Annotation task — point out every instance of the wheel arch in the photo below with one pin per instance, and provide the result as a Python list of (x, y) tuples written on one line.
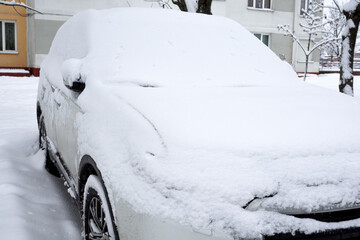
[(88, 167)]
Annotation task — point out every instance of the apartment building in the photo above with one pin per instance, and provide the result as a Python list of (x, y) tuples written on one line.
[(13, 50)]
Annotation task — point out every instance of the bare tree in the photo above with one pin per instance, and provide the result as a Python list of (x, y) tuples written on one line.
[(351, 11), (313, 26), (336, 22), (199, 6)]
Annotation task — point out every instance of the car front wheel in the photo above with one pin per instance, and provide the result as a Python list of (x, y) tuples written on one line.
[(97, 217)]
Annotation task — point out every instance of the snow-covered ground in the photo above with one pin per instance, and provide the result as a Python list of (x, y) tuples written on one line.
[(331, 81), (33, 204)]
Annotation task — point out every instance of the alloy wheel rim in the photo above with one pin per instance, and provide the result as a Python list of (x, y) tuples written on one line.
[(97, 225)]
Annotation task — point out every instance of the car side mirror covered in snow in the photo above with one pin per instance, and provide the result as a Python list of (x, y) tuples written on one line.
[(77, 86), (72, 78)]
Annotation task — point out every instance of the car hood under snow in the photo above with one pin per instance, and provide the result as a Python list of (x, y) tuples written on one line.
[(296, 147), (241, 143)]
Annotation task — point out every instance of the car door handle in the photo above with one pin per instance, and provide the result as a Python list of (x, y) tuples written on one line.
[(53, 89)]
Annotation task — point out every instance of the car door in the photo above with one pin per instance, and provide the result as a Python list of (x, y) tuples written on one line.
[(67, 132), (49, 109)]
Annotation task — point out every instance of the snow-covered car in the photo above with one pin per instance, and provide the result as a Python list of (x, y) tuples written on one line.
[(170, 125)]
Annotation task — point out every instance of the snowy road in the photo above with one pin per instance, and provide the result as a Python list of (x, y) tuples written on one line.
[(33, 204)]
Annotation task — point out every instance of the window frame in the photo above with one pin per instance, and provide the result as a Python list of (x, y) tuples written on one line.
[(263, 4), (261, 38), (2, 22), (306, 7)]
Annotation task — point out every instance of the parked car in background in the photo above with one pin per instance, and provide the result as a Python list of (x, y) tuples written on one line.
[(170, 125)]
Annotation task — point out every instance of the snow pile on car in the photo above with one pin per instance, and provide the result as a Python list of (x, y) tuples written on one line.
[(162, 48), (190, 118)]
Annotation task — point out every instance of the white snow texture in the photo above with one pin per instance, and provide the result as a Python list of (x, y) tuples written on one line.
[(33, 204)]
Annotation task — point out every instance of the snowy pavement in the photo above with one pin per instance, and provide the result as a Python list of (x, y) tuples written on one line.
[(33, 204)]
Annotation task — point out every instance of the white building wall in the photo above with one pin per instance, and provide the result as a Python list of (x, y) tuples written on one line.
[(266, 21), (257, 20), (218, 7)]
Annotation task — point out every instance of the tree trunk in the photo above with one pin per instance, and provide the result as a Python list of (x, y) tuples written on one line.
[(204, 6), (306, 66), (307, 57), (346, 84), (181, 4)]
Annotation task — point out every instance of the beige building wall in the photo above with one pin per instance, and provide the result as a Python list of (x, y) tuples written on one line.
[(17, 58)]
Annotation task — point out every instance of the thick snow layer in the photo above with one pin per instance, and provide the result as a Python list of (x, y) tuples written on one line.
[(218, 157), (148, 46), (350, 5), (13, 70), (190, 117), (33, 204), (331, 81)]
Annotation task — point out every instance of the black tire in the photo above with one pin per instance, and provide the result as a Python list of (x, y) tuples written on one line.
[(98, 219), (43, 144)]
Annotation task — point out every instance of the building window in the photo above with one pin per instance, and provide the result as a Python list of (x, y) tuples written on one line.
[(304, 6), (7, 36), (265, 38), (261, 4)]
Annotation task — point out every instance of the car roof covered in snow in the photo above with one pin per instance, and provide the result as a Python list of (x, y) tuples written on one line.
[(162, 48)]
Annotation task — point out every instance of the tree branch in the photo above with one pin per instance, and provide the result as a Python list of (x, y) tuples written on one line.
[(322, 43), (181, 4), (15, 4), (288, 32), (337, 5)]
